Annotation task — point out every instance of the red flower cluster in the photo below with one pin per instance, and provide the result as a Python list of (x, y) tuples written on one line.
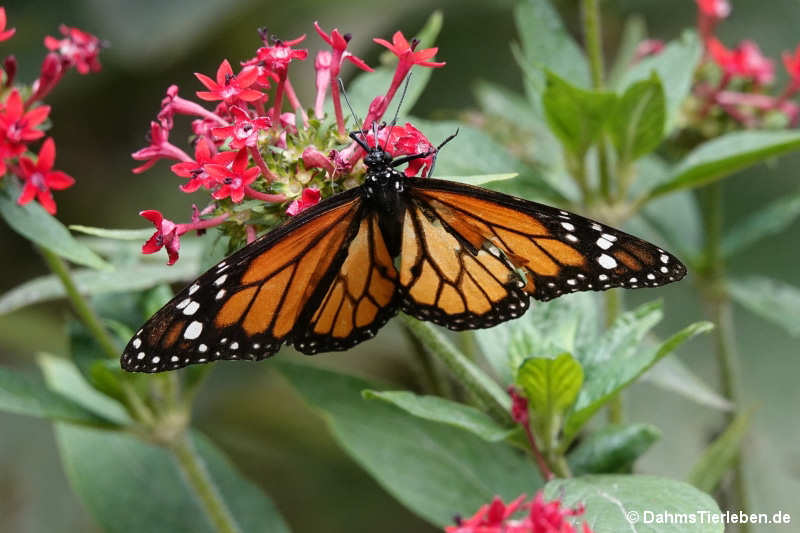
[(21, 121), (745, 73), (541, 517), (249, 147)]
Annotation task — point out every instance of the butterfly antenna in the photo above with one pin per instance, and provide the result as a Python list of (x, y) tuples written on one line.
[(357, 120), (397, 111), (436, 153)]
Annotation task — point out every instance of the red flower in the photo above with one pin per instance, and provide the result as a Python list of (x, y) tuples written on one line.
[(159, 148), (718, 9), (204, 153), (18, 126), (308, 198), (791, 61), (78, 49), (244, 131), (405, 140), (338, 42), (406, 53), (519, 407), (276, 58), (543, 517), (4, 33), (49, 75), (228, 87), (313, 158), (233, 180), (744, 61), (39, 177), (166, 236)]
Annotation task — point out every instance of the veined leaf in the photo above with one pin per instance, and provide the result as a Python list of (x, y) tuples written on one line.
[(771, 299)]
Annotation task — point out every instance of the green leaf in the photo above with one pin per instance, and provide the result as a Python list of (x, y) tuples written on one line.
[(614, 501), (637, 124), (769, 220), (674, 375), (368, 85), (91, 282), (24, 395), (444, 411), (116, 234), (64, 377), (130, 486), (547, 46), (612, 449), (549, 328), (773, 300), (40, 227), (675, 66), (621, 340), (480, 179), (633, 33), (720, 455), (576, 116), (725, 155), (433, 469), (551, 385), (607, 377)]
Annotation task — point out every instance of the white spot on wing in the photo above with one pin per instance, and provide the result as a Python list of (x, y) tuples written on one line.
[(191, 308), (193, 330), (606, 261), (194, 288), (664, 258), (137, 342), (605, 244), (220, 280), (567, 226), (184, 303)]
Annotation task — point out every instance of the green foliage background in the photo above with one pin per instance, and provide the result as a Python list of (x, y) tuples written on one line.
[(254, 416)]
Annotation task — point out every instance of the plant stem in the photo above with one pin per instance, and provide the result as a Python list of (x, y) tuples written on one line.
[(591, 33), (199, 480), (86, 314), (720, 312), (488, 393), (613, 301)]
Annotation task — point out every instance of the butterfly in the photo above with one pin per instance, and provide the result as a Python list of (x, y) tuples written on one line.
[(329, 278)]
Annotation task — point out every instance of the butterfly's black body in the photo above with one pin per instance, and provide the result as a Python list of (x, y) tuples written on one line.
[(457, 255)]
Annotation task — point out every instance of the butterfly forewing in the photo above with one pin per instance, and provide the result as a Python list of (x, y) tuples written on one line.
[(246, 306), (558, 252)]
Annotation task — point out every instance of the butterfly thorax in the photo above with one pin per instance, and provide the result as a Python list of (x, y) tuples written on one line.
[(383, 189)]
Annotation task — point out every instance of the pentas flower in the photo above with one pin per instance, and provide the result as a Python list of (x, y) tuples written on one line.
[(328, 65), (19, 126), (5, 34), (159, 148), (49, 75), (233, 180), (744, 61), (309, 197), (277, 57), (229, 88), (244, 132), (40, 178), (166, 236), (78, 48), (313, 158), (791, 62), (405, 140), (204, 152), (173, 104), (718, 9), (407, 57), (542, 517)]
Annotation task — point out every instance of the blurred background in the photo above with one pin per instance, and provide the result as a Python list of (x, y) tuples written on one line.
[(251, 413)]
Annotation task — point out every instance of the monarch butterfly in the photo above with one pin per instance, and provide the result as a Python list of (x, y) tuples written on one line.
[(460, 256)]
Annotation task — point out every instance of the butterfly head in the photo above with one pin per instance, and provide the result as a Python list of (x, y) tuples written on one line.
[(377, 158)]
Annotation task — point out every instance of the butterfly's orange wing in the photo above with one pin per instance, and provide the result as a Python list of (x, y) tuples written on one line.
[(472, 257), (246, 306)]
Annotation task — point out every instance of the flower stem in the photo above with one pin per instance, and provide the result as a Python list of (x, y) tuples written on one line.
[(485, 391), (719, 310), (591, 32), (199, 480), (79, 304)]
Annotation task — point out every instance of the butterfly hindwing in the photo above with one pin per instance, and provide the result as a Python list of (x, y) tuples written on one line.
[(558, 252), (450, 282), (361, 298), (246, 306)]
